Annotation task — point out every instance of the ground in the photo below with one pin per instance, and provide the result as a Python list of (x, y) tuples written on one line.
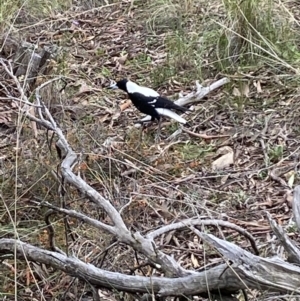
[(168, 46)]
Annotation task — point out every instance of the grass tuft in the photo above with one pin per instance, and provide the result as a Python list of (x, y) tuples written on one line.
[(253, 34), (10, 11), (256, 31), (169, 14)]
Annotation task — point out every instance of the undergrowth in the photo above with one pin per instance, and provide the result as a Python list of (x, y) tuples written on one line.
[(250, 34)]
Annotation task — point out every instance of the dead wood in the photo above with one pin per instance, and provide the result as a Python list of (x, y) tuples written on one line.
[(293, 253), (273, 274), (296, 206)]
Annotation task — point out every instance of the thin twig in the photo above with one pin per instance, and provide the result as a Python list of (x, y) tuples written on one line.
[(204, 136)]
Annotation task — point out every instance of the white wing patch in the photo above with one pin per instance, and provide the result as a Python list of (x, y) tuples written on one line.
[(133, 87), (171, 114), (153, 102), (165, 112)]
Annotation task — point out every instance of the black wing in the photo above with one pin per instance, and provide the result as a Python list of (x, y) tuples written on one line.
[(144, 104), (162, 102)]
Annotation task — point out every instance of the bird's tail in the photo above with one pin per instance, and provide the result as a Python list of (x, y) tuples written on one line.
[(180, 108), (171, 105), (171, 114)]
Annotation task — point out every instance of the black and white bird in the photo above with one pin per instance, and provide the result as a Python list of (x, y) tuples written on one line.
[(149, 102)]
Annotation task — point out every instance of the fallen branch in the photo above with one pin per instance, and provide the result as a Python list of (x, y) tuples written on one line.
[(290, 248), (193, 284), (201, 92), (247, 271), (296, 206), (271, 274)]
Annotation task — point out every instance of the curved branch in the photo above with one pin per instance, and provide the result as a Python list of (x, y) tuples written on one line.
[(201, 92), (247, 271), (198, 222), (273, 273), (193, 284)]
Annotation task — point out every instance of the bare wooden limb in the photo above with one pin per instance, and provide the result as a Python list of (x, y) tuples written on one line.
[(292, 251), (73, 213), (247, 271), (200, 222), (201, 92), (265, 273), (193, 284), (296, 206)]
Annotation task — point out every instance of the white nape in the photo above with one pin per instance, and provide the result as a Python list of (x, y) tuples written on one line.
[(171, 114), (134, 88)]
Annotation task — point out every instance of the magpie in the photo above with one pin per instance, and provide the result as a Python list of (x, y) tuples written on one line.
[(149, 102)]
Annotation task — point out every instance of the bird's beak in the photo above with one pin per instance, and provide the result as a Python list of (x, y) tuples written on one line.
[(113, 86)]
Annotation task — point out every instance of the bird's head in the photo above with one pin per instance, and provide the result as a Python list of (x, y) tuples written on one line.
[(121, 84)]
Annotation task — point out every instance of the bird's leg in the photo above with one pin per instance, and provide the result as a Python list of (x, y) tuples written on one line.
[(143, 126), (157, 137), (139, 142)]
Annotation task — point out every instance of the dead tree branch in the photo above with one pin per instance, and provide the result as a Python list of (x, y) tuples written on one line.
[(290, 248), (199, 222), (201, 92), (264, 273)]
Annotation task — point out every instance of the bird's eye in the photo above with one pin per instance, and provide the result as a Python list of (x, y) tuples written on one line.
[(112, 82)]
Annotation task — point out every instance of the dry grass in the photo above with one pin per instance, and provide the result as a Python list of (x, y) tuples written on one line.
[(167, 45)]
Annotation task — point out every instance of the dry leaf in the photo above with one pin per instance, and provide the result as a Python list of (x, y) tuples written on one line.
[(291, 180), (223, 162), (289, 199), (122, 59), (89, 38), (245, 90), (224, 179), (194, 261), (125, 105), (258, 86), (224, 150), (236, 92)]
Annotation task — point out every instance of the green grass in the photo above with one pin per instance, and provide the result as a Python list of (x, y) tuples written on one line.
[(192, 151), (184, 59), (256, 31), (275, 153), (168, 15), (253, 34), (9, 10)]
